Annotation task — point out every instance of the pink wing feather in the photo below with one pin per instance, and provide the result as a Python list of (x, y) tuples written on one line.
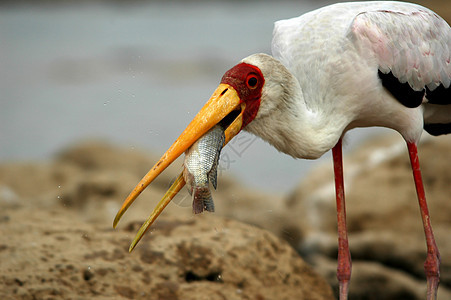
[(415, 46)]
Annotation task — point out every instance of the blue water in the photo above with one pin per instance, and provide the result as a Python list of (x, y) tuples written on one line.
[(133, 75)]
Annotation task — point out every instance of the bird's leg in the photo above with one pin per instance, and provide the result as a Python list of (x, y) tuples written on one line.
[(432, 264), (344, 256)]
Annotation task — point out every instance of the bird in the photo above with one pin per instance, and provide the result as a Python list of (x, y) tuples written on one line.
[(336, 68)]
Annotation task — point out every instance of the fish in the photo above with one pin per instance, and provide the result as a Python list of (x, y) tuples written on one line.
[(201, 166)]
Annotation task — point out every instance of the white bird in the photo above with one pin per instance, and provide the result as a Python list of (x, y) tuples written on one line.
[(339, 67)]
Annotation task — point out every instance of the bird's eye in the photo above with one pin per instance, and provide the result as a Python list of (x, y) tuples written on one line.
[(252, 81)]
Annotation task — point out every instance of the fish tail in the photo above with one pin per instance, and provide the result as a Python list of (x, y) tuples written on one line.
[(198, 205), (202, 200), (209, 205)]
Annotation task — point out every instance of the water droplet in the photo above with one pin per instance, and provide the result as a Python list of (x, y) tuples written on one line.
[(133, 96)]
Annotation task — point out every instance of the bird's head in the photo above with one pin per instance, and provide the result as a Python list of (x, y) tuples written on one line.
[(256, 83), (234, 104)]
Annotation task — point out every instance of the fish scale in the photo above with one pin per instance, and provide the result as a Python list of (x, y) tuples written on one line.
[(201, 162)]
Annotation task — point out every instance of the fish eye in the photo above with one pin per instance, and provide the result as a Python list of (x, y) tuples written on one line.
[(251, 81)]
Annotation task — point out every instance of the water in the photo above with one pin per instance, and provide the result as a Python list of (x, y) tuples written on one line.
[(134, 75)]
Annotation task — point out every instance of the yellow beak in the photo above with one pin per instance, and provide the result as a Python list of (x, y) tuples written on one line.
[(223, 102)]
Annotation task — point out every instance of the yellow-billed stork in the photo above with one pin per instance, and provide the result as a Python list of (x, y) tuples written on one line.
[(339, 67)]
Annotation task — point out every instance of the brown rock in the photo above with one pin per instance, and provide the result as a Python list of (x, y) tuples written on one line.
[(57, 240), (54, 253)]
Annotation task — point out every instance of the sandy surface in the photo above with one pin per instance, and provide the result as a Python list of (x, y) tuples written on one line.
[(57, 241)]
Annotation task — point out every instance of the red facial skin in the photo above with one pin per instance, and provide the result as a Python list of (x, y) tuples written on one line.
[(248, 82)]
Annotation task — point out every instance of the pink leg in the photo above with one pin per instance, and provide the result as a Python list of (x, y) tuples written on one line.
[(432, 264), (344, 256)]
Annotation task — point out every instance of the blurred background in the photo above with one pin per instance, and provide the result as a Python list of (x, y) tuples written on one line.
[(135, 73)]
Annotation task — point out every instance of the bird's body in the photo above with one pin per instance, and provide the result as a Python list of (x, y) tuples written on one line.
[(333, 69), (336, 53)]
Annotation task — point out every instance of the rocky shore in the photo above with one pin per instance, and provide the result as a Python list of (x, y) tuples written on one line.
[(57, 241)]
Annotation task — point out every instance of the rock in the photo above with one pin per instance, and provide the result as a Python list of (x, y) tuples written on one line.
[(382, 214), (57, 219), (101, 156), (53, 253)]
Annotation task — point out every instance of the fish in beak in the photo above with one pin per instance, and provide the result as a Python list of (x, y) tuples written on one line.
[(233, 105), (225, 108)]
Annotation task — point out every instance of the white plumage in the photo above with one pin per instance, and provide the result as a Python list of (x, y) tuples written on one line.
[(334, 53), (411, 41), (357, 65)]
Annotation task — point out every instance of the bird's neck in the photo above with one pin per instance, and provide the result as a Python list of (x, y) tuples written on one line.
[(292, 127)]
